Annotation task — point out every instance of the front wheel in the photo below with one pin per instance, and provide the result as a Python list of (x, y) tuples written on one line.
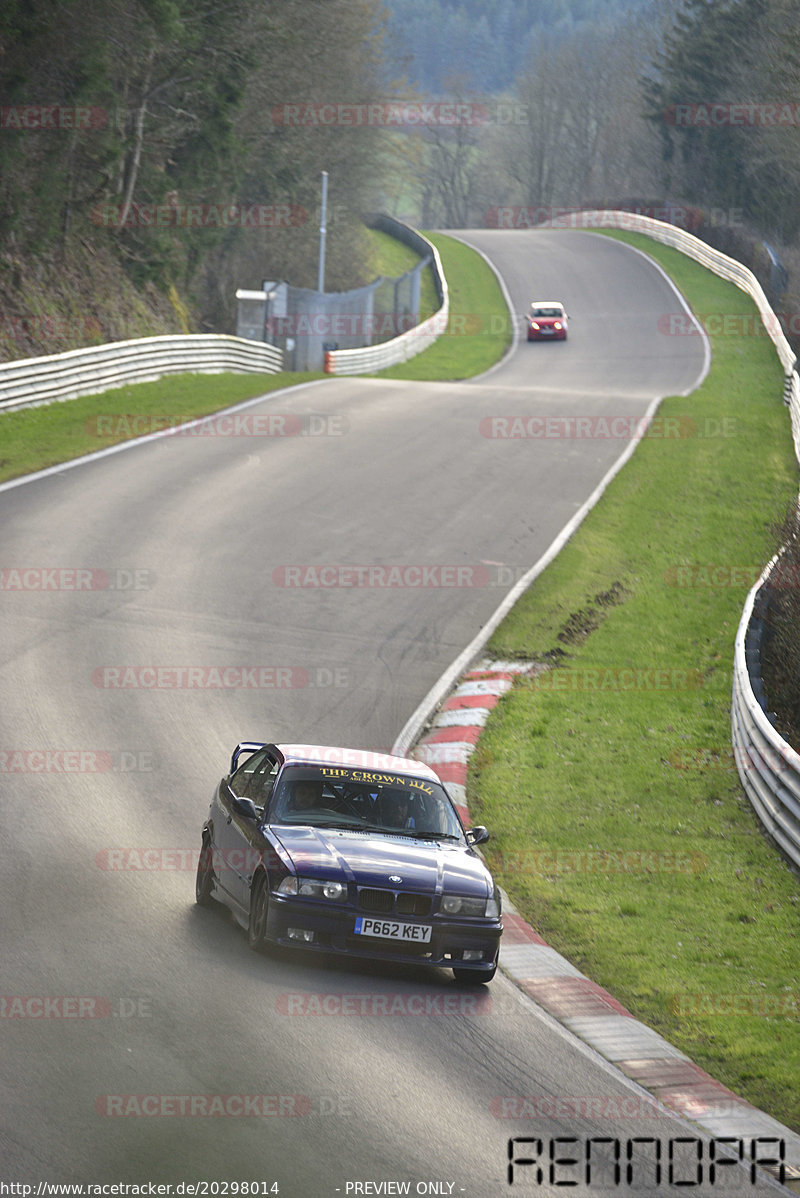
[(204, 880), (257, 924)]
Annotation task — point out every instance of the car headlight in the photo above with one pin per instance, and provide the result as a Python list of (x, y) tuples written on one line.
[(453, 904), (323, 888)]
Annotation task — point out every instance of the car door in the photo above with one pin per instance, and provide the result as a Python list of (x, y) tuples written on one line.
[(236, 833)]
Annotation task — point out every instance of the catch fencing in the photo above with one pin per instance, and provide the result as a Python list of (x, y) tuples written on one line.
[(307, 324), (769, 768), (98, 368), (31, 381), (413, 341)]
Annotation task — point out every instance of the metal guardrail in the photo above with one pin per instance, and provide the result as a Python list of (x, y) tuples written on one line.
[(769, 768), (720, 264), (99, 368), (413, 341)]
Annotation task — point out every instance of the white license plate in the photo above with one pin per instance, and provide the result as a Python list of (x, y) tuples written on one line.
[(548, 332), (390, 929)]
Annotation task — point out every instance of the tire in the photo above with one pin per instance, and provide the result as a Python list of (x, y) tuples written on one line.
[(204, 880), (259, 908)]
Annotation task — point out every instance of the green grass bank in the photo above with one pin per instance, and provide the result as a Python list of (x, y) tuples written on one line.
[(478, 329), (619, 827), (34, 438), (706, 913)]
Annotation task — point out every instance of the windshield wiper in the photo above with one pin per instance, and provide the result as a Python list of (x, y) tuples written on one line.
[(392, 831), (413, 834), (410, 833), (339, 827)]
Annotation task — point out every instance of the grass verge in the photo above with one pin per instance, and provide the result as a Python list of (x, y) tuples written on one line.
[(619, 827), (478, 330), (393, 258), (34, 438)]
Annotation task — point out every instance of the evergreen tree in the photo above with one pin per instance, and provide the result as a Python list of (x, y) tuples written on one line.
[(721, 51)]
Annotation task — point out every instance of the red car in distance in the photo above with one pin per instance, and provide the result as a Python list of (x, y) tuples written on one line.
[(547, 321)]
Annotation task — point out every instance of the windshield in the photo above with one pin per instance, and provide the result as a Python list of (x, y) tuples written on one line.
[(367, 800), (547, 312)]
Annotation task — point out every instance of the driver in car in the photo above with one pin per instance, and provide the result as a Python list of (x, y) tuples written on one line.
[(306, 795), (395, 808)]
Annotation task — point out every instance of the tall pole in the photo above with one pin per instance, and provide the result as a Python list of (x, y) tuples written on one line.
[(322, 231)]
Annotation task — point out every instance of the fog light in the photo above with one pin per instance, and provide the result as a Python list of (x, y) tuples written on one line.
[(300, 934), (472, 954)]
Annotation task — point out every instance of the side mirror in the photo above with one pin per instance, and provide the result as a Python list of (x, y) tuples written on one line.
[(477, 835), (247, 808)]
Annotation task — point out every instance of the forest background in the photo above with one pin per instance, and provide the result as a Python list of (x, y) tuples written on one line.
[(157, 154)]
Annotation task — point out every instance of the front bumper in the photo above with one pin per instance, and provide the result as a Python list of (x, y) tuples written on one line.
[(542, 335), (334, 932)]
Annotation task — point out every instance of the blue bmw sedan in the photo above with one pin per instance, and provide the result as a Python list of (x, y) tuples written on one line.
[(350, 852)]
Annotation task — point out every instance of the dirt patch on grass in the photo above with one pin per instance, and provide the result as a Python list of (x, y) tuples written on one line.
[(582, 623)]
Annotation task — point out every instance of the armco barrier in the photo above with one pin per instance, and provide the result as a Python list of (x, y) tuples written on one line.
[(412, 342), (720, 264), (769, 768), (99, 368)]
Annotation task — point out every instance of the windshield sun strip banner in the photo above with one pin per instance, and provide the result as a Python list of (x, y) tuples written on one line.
[(374, 778)]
